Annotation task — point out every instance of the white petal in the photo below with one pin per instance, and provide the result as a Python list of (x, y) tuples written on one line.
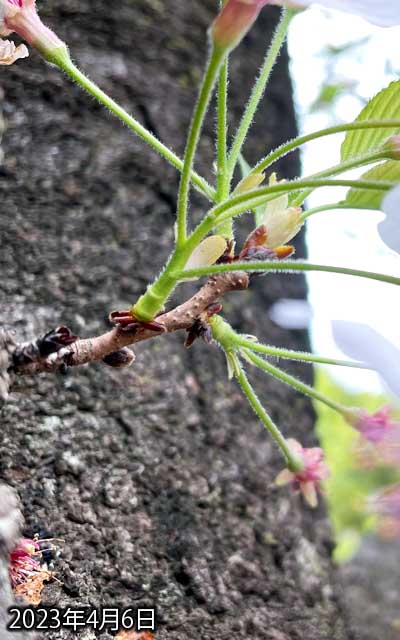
[(389, 228), (385, 13), (291, 314), (207, 252), (9, 53), (361, 342)]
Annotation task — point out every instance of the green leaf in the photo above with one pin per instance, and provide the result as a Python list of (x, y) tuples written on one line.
[(387, 172), (384, 106)]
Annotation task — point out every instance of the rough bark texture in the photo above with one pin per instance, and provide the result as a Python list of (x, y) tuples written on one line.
[(158, 478)]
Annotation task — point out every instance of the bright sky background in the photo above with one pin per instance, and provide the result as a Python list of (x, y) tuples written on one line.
[(345, 238)]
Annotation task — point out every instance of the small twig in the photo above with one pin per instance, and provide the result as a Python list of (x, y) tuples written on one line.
[(97, 348)]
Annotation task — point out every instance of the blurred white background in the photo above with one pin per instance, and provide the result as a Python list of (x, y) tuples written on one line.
[(338, 63)]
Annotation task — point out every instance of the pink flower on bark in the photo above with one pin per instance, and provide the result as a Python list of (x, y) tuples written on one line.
[(313, 470), (24, 561), (21, 17)]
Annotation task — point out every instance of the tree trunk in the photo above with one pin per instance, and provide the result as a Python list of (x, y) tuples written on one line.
[(158, 479)]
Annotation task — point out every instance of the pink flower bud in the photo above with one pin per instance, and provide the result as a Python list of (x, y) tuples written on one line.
[(234, 21)]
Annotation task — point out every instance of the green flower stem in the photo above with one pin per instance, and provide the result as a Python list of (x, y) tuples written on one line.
[(258, 90), (342, 167), (237, 205), (287, 147), (288, 266), (331, 207), (216, 58), (225, 229), (68, 66), (224, 335), (291, 462), (152, 301), (294, 382), (288, 354), (222, 132)]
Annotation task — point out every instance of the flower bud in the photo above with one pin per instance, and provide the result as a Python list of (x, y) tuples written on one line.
[(392, 147), (251, 181), (282, 226), (120, 359), (234, 21)]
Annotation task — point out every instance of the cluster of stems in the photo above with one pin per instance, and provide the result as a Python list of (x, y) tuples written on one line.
[(225, 205)]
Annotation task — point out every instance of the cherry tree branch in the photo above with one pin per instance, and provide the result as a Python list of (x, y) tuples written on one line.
[(111, 347)]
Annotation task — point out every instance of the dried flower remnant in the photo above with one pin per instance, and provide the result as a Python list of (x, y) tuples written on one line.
[(27, 576), (312, 470), (133, 635), (21, 17), (9, 53)]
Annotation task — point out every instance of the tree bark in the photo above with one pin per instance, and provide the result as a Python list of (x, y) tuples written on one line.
[(158, 478)]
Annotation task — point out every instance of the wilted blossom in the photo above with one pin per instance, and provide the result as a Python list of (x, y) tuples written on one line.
[(389, 228), (24, 561), (20, 16), (313, 471), (9, 53), (387, 507)]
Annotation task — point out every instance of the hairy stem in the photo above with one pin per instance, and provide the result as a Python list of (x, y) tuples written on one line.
[(89, 86), (288, 354), (294, 382), (331, 207), (288, 266), (287, 147), (210, 76), (258, 90)]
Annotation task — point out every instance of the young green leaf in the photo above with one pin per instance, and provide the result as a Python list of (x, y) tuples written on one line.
[(387, 172), (384, 106)]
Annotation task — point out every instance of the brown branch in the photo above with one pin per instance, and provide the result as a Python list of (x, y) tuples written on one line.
[(97, 348)]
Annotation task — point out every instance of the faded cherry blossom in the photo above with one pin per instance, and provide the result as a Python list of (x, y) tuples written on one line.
[(24, 561), (313, 471), (21, 17), (9, 53)]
